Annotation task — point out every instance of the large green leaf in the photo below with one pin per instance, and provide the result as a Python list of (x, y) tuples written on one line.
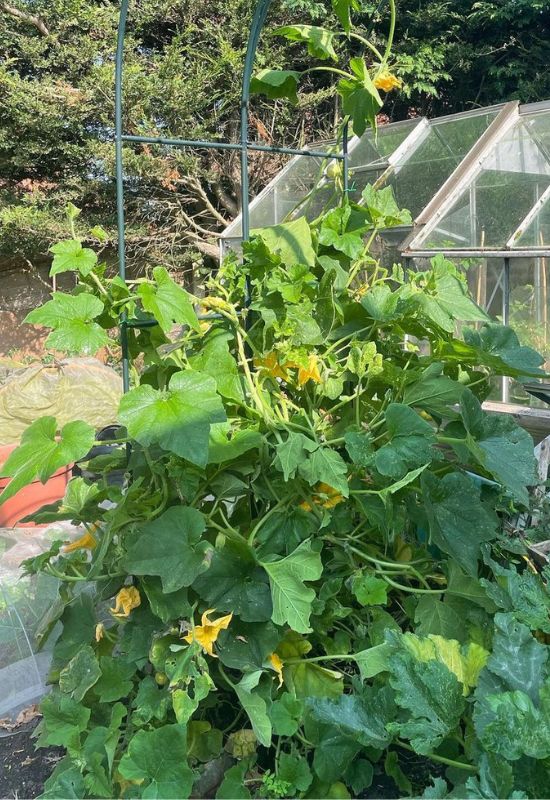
[(444, 298), (510, 725), (343, 231), (246, 646), (494, 346), (291, 598), (432, 696), (178, 419), (255, 706), (362, 717), (411, 442), (171, 548), (360, 97), (215, 360), (236, 582), (41, 452), (276, 83), (501, 447), (325, 465), (71, 318), (80, 674), (433, 392), (496, 779), (70, 256), (63, 720), (116, 679), (433, 616), (168, 302), (168, 606), (320, 41), (226, 445), (291, 241), (459, 521), (382, 209), (292, 453), (342, 10), (159, 758), (518, 660), (521, 593)]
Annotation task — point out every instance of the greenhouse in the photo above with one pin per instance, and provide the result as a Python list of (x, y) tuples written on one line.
[(477, 185)]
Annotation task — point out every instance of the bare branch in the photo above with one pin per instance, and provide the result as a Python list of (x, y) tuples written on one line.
[(36, 22)]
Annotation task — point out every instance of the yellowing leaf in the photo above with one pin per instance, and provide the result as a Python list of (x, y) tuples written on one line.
[(464, 662), (127, 599), (208, 631), (277, 664)]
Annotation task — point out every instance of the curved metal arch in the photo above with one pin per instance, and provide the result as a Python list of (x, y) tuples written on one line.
[(257, 24)]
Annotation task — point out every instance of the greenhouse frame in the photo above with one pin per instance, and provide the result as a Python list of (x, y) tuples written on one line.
[(477, 185)]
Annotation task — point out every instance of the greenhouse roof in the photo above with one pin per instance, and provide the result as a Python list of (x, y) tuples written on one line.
[(476, 183)]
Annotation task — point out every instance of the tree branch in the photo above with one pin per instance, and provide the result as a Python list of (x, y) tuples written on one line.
[(36, 22)]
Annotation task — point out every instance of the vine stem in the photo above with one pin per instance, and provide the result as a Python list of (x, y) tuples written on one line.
[(440, 759), (250, 381)]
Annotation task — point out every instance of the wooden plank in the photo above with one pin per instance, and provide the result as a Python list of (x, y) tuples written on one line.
[(534, 420)]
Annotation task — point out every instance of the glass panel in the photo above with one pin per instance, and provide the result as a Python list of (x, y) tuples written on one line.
[(529, 311), (512, 178), (287, 194), (388, 138), (537, 233), (424, 171)]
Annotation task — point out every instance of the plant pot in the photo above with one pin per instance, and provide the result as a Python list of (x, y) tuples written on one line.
[(32, 497)]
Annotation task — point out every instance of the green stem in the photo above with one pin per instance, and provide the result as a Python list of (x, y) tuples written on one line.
[(391, 33), (440, 759), (367, 44), (410, 588), (337, 71), (99, 285), (264, 519)]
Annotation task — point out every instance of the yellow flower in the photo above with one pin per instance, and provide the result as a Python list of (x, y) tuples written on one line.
[(127, 599), (86, 542), (331, 497), (386, 81), (208, 631), (277, 665), (271, 365), (309, 373), (99, 631)]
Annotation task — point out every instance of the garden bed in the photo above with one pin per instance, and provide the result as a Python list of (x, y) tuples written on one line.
[(23, 770)]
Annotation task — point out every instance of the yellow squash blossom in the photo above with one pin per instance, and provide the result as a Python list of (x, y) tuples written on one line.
[(86, 542), (386, 81), (271, 365), (208, 631), (331, 497), (99, 631), (309, 373), (277, 665), (127, 599)]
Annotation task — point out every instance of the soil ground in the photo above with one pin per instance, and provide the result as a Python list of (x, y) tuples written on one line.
[(23, 769)]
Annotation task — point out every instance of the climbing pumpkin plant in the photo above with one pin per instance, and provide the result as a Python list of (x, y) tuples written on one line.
[(294, 573)]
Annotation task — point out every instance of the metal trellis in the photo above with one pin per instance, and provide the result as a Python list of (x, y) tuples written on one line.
[(244, 146)]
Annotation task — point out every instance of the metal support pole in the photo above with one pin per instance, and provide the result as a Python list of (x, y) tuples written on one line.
[(119, 62), (506, 320), (257, 24), (345, 152)]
